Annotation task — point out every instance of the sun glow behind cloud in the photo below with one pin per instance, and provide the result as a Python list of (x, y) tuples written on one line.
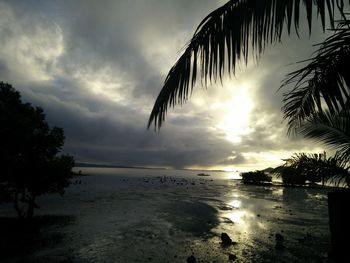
[(234, 119)]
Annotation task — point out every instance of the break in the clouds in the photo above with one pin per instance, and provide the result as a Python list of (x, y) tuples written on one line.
[(97, 67)]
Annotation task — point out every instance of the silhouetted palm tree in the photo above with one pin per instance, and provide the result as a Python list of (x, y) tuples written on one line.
[(226, 36)]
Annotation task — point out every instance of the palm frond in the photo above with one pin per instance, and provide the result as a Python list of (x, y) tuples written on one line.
[(225, 37), (325, 81), (333, 130)]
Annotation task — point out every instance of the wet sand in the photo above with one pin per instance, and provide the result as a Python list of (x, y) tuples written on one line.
[(167, 219)]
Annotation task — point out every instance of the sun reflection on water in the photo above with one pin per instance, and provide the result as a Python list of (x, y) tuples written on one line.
[(236, 216), (235, 203), (240, 216)]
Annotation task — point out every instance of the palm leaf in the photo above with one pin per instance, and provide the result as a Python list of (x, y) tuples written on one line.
[(325, 81), (225, 37), (333, 130)]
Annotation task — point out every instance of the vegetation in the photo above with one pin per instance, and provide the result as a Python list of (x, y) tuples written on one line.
[(29, 156), (331, 129), (318, 106), (255, 177), (290, 176), (314, 168), (323, 83)]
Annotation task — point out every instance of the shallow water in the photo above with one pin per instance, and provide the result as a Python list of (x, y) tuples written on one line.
[(137, 217)]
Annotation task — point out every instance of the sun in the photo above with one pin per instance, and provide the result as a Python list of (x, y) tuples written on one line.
[(234, 118)]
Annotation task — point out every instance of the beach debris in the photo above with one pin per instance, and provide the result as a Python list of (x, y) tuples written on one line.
[(232, 257), (191, 259), (279, 241), (225, 239)]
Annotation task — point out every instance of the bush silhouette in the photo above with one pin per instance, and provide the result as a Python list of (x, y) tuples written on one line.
[(291, 176), (255, 177)]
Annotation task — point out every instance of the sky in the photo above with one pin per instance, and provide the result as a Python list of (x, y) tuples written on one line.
[(96, 68)]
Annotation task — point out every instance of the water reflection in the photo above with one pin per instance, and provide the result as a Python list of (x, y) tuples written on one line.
[(235, 203), (277, 191), (240, 215)]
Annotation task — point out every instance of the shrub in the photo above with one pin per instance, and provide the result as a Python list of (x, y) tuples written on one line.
[(255, 177), (291, 176)]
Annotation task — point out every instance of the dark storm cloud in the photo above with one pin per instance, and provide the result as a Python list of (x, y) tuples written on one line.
[(106, 132), (96, 69)]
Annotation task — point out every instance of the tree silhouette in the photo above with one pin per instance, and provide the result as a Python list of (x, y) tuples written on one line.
[(239, 28), (29, 163)]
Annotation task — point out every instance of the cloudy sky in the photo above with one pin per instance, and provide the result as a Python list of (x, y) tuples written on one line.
[(96, 68)]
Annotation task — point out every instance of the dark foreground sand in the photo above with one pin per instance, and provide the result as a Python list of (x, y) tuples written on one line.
[(157, 219)]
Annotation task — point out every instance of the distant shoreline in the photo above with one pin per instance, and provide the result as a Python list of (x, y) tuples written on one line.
[(93, 165)]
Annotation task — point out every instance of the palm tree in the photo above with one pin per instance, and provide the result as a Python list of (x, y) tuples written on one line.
[(228, 34)]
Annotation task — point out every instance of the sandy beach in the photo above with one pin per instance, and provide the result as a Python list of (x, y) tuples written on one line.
[(108, 217)]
